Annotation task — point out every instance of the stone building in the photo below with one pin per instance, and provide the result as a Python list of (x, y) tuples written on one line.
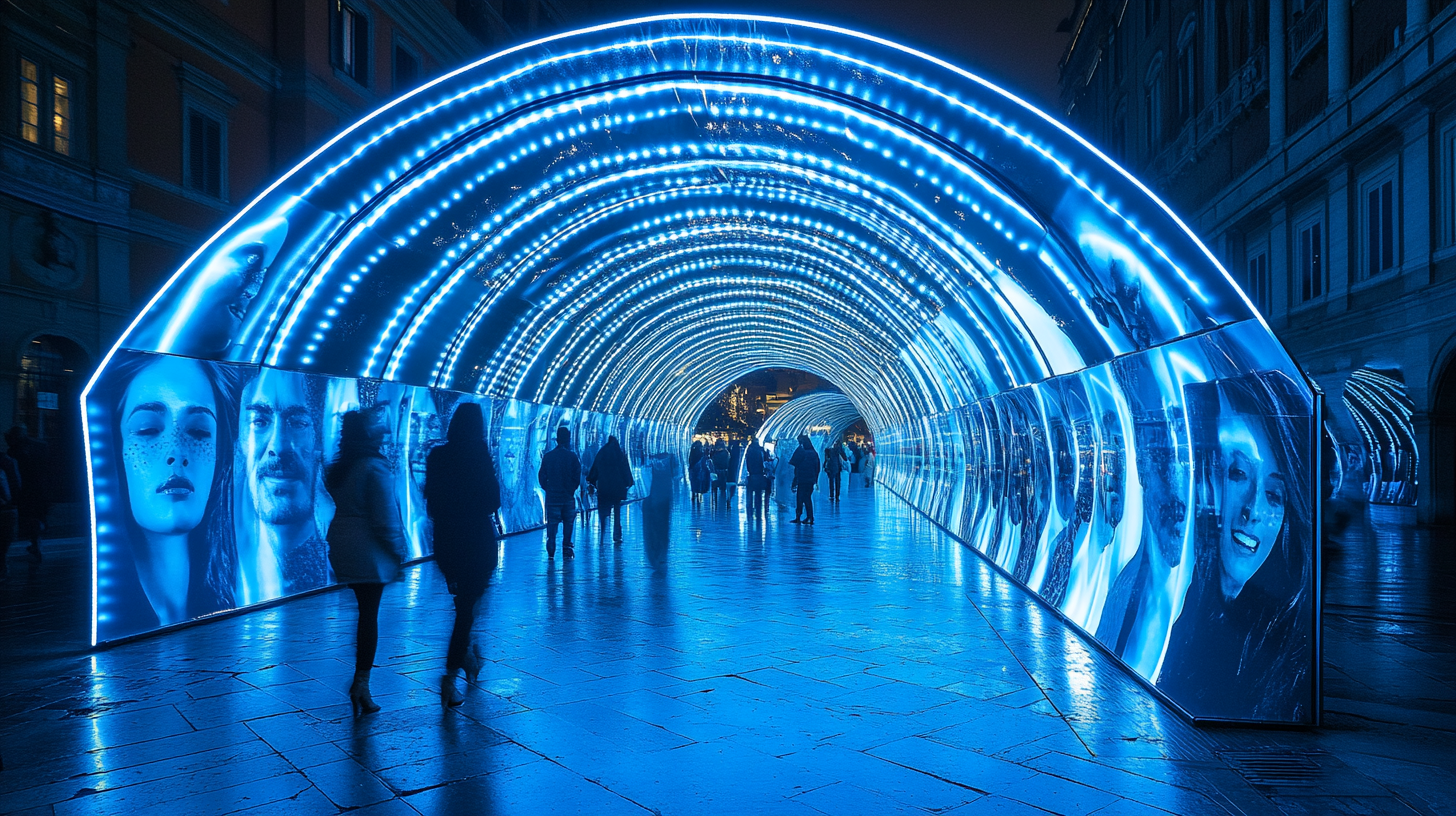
[(1312, 145), (133, 130)]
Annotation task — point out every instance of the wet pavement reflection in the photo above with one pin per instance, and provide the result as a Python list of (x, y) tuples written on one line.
[(716, 663)]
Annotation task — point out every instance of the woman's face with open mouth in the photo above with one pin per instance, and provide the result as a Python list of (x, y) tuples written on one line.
[(169, 445), (1252, 514)]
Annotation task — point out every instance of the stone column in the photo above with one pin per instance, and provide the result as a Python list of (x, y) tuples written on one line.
[(1337, 33), (1281, 275), (1278, 74), (1208, 56), (1417, 14)]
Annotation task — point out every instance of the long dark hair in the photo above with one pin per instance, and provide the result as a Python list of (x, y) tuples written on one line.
[(212, 541), (359, 439)]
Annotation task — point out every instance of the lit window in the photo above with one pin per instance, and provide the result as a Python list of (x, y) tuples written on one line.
[(205, 155), (61, 115), (1311, 261), (29, 102), (351, 42), (1380, 227)]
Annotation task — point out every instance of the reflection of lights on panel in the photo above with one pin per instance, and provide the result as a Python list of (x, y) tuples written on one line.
[(576, 224), (1383, 413)]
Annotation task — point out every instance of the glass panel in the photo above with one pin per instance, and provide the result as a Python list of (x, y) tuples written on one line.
[(29, 102), (61, 115)]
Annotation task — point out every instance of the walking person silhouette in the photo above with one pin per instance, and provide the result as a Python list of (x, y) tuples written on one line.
[(366, 538), (611, 474), (462, 494), (560, 477), (805, 463)]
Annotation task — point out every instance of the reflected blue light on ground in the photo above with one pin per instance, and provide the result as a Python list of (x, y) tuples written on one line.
[(1047, 357)]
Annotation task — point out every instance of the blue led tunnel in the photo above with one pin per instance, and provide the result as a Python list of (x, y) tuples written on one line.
[(604, 229)]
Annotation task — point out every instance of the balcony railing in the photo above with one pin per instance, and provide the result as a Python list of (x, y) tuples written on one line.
[(1250, 80), (1305, 33), (1383, 47)]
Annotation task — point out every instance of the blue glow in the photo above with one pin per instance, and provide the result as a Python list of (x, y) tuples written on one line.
[(574, 232)]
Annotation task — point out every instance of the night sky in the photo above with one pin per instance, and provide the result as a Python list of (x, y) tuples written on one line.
[(1010, 42)]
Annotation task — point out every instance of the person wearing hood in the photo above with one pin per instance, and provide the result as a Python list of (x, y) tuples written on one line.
[(366, 539), (722, 461), (462, 494), (560, 477), (755, 476), (834, 460), (611, 475), (805, 463)]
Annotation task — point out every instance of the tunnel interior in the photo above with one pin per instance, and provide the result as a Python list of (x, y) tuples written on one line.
[(603, 229)]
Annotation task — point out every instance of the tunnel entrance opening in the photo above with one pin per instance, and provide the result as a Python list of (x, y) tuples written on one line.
[(604, 229)]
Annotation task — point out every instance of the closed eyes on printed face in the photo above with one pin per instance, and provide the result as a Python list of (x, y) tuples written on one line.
[(169, 448)]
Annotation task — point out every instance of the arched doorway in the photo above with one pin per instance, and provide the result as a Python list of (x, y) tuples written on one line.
[(53, 370)]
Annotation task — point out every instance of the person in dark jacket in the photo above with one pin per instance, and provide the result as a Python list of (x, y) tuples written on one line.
[(9, 490), (700, 472), (611, 475), (805, 463), (834, 460), (722, 461), (32, 499), (462, 495), (366, 538), (755, 477), (560, 477)]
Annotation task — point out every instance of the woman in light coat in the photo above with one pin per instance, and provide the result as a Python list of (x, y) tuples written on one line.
[(366, 538)]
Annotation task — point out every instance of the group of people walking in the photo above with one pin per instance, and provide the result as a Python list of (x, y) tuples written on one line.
[(462, 495)]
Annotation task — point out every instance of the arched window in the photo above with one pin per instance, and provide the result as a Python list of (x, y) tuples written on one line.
[(1187, 66), (1153, 93)]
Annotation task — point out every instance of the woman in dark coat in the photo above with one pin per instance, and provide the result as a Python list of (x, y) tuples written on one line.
[(461, 495), (700, 472), (611, 474), (366, 538)]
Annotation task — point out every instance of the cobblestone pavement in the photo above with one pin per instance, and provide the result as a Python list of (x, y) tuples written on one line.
[(866, 665)]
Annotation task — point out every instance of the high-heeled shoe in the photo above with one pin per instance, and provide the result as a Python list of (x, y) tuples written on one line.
[(450, 696), (472, 663), (359, 696)]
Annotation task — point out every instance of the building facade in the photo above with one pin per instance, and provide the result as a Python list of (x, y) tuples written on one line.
[(1312, 145), (133, 130)]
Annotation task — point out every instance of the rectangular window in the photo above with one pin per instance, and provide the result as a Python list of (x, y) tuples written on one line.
[(61, 115), (204, 153), (406, 69), (29, 101), (1380, 228), (1258, 282), (1311, 261), (351, 42)]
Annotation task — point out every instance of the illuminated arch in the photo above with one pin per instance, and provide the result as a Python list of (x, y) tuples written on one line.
[(625, 219)]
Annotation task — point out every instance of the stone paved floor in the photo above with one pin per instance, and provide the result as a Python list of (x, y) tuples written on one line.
[(868, 665)]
